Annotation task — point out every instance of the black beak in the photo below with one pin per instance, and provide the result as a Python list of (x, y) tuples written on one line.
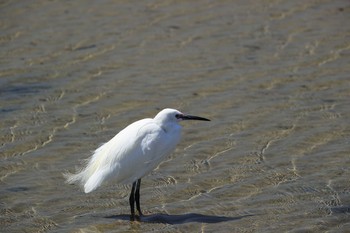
[(189, 117)]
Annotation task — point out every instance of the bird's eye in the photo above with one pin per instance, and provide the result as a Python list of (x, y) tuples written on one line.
[(178, 116)]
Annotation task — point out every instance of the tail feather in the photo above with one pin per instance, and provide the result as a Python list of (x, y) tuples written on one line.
[(94, 172), (95, 181), (82, 175), (73, 178), (87, 171)]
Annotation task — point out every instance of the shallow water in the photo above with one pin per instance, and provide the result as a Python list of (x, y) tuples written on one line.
[(272, 75)]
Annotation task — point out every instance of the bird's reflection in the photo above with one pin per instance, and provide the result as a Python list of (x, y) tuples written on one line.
[(177, 219)]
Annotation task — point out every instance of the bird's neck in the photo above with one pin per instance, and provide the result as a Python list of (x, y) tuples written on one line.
[(170, 127)]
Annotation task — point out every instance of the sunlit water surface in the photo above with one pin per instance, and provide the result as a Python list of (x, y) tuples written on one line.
[(273, 76)]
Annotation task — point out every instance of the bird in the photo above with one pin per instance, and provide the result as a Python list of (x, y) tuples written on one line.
[(132, 154)]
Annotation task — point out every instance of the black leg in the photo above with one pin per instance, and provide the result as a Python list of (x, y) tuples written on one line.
[(137, 196), (132, 200)]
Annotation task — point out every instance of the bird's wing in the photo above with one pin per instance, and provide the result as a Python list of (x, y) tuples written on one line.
[(144, 153), (128, 156)]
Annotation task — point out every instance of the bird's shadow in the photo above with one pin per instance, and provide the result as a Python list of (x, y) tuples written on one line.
[(177, 219)]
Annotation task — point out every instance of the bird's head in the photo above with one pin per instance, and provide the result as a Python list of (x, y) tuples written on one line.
[(169, 115)]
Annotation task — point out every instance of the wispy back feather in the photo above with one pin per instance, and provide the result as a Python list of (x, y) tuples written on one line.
[(83, 174)]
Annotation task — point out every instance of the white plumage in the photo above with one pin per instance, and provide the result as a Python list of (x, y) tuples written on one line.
[(133, 152)]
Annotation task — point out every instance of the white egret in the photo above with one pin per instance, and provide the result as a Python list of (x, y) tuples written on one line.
[(133, 153)]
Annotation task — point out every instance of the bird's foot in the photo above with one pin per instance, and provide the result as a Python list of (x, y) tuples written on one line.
[(134, 217)]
